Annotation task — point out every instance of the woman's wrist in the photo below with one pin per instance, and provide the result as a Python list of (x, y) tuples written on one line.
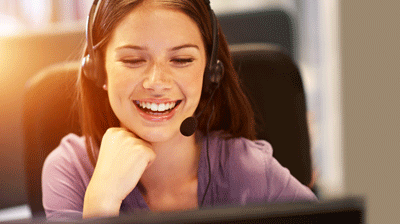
[(99, 203)]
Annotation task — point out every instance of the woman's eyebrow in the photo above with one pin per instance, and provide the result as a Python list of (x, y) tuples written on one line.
[(133, 47), (142, 48), (184, 46)]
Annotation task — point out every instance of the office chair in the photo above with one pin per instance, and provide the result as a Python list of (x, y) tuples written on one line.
[(48, 115), (268, 74), (272, 81), (272, 26)]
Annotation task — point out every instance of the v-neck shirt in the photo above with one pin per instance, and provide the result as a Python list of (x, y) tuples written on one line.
[(243, 172)]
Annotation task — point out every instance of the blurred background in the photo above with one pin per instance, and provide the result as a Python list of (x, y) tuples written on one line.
[(348, 54)]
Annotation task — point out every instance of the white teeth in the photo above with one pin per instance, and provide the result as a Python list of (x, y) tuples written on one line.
[(161, 107), (156, 107)]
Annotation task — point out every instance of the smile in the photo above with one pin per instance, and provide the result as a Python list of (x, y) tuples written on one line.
[(156, 108)]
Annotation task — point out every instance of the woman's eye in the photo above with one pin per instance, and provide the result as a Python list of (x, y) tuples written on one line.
[(133, 62), (182, 61)]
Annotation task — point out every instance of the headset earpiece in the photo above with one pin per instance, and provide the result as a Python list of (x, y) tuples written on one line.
[(88, 62), (87, 66), (217, 73), (90, 70), (212, 77)]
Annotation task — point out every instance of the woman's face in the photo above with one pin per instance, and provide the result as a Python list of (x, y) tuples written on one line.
[(155, 62)]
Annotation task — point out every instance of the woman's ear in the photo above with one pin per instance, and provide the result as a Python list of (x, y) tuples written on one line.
[(105, 87)]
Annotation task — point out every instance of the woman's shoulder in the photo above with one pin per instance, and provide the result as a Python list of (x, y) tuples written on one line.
[(69, 160), (238, 160), (71, 141), (249, 168), (243, 152), (72, 149)]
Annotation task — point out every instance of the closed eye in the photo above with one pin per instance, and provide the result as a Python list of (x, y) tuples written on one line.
[(182, 61), (133, 62)]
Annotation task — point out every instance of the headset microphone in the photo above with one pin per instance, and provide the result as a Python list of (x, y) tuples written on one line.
[(188, 126)]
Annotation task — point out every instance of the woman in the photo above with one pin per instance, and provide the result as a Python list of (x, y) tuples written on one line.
[(147, 71)]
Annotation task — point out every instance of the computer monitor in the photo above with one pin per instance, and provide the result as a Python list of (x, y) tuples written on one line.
[(344, 210)]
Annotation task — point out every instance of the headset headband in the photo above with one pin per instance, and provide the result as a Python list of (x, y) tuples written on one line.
[(89, 24), (214, 66)]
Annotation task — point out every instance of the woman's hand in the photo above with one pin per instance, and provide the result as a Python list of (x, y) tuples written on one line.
[(122, 160)]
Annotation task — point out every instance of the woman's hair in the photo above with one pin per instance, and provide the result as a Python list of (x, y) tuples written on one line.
[(232, 115)]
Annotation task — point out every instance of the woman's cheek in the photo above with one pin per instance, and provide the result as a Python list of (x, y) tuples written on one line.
[(195, 85)]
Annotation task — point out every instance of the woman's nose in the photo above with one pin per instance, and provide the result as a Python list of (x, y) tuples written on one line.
[(157, 79)]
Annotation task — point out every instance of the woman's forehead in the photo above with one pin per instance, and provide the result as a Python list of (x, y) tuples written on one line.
[(154, 22)]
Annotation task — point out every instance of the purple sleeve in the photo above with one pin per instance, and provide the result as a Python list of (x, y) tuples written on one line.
[(66, 174)]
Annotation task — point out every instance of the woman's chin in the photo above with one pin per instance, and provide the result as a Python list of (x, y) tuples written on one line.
[(158, 136)]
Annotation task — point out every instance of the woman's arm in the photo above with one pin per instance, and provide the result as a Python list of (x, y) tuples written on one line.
[(73, 189), (122, 160)]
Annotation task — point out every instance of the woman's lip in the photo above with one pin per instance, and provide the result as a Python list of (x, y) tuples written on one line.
[(157, 101), (157, 118)]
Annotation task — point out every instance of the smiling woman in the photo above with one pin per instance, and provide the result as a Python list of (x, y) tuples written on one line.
[(155, 68), (149, 65)]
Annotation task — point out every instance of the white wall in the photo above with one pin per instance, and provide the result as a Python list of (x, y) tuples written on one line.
[(370, 45), (329, 106), (224, 6)]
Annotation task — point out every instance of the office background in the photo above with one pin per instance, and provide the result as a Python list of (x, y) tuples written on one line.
[(348, 52)]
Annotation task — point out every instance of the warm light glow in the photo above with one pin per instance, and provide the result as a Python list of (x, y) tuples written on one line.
[(9, 25), (5, 77)]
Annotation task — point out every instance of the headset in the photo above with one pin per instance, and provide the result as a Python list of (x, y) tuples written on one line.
[(213, 73)]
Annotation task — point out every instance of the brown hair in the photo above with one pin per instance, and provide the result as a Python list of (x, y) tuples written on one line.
[(232, 114)]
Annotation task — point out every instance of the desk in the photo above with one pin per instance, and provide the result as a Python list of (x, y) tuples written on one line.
[(15, 213)]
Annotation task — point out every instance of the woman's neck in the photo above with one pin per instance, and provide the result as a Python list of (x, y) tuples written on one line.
[(175, 166)]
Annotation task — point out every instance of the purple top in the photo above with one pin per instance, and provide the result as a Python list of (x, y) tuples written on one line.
[(243, 173)]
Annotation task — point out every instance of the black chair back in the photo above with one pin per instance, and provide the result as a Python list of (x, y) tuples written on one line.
[(48, 115), (273, 83), (273, 26)]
